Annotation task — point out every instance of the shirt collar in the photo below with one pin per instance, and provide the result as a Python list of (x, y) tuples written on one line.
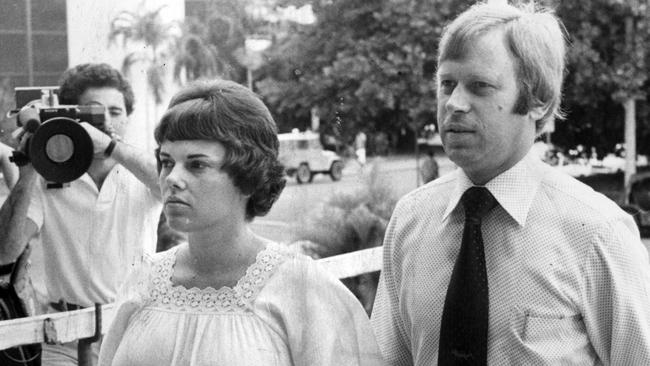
[(514, 189)]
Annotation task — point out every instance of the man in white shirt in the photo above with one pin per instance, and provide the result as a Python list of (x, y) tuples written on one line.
[(94, 230), (360, 147), (558, 273)]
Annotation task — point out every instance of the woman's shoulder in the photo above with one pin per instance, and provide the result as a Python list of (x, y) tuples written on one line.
[(298, 270), (280, 260)]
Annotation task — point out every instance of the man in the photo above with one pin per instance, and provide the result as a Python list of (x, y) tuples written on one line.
[(360, 147), (429, 166), (96, 229), (547, 272)]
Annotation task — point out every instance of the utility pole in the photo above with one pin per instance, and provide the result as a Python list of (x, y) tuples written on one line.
[(629, 103)]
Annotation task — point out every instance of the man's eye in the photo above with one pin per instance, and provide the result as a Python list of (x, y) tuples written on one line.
[(480, 87), (447, 86)]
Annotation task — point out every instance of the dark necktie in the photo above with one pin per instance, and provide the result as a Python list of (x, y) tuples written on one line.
[(464, 325)]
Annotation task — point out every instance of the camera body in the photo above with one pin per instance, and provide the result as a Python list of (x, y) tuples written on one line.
[(45, 99), (93, 114), (60, 149)]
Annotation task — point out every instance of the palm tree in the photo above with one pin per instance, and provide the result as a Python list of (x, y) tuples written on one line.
[(146, 27), (197, 55), (208, 46)]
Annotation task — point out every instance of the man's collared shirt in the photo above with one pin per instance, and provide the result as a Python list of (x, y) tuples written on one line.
[(93, 238), (569, 278)]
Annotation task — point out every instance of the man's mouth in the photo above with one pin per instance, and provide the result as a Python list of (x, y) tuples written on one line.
[(457, 129)]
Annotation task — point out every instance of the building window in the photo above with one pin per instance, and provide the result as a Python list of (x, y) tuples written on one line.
[(35, 42)]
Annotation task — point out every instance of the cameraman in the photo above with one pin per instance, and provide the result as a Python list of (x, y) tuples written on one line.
[(95, 229)]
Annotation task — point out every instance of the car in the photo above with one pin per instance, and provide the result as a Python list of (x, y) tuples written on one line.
[(613, 163), (639, 201), (303, 156)]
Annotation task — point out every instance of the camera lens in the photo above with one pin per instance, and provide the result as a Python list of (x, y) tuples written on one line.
[(59, 148)]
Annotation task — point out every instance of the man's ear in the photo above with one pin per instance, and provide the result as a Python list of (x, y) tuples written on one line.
[(537, 112)]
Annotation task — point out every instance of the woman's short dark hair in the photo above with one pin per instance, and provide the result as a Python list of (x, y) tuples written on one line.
[(76, 80), (231, 114)]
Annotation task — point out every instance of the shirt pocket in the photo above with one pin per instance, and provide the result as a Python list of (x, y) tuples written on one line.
[(550, 339)]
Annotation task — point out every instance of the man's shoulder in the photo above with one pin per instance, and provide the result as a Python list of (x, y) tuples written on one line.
[(574, 198), (431, 195)]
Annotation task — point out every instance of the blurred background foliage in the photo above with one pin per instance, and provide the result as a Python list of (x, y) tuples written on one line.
[(348, 222), (370, 64)]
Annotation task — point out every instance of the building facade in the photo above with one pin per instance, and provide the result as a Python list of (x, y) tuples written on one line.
[(42, 38)]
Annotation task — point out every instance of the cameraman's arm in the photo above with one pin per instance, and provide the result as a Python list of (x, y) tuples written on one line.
[(141, 164), (137, 161), (15, 228)]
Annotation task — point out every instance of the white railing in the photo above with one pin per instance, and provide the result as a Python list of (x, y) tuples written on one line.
[(72, 325)]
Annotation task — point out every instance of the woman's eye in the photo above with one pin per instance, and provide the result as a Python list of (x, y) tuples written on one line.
[(197, 164), (166, 163)]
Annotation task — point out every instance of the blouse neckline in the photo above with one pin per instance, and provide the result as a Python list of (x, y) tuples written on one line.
[(164, 293)]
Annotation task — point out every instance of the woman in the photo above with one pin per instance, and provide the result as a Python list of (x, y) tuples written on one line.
[(228, 296)]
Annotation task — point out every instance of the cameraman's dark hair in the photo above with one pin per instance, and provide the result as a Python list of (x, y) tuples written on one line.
[(76, 80), (234, 116)]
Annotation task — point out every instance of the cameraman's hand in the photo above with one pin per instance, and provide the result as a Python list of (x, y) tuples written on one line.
[(27, 122), (100, 139), (26, 168)]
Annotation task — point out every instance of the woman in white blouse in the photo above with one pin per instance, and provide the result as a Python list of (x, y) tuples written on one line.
[(229, 296)]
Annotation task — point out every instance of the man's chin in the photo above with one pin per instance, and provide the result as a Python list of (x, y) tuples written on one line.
[(463, 157)]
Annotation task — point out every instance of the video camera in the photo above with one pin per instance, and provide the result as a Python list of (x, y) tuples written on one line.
[(59, 149)]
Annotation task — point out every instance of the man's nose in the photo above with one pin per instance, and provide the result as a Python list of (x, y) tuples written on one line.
[(108, 123), (458, 101)]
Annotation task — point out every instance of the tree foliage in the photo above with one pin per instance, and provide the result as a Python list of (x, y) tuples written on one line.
[(604, 68), (370, 64), (211, 43), (146, 27), (364, 64)]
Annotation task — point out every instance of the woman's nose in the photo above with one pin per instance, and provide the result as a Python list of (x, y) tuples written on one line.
[(174, 180)]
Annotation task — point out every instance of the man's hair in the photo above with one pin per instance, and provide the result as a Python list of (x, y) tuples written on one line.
[(536, 39), (76, 80), (231, 114)]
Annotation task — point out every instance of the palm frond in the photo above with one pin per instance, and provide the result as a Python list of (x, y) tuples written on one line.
[(149, 28), (131, 59)]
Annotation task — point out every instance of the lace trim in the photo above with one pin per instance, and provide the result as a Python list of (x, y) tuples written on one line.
[(226, 299)]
